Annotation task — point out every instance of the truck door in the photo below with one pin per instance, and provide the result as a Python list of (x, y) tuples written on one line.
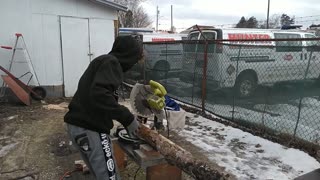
[(311, 56), (289, 58), (212, 66)]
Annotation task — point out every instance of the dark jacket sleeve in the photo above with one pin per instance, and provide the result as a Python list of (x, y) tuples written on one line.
[(107, 79)]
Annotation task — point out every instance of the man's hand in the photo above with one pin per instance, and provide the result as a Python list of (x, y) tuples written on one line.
[(133, 128)]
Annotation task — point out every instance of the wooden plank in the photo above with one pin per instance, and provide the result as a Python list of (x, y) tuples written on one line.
[(22, 94)]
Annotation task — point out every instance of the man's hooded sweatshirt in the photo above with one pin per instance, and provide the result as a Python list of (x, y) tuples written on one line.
[(94, 104)]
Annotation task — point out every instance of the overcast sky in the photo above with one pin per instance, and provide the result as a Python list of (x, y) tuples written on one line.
[(225, 12)]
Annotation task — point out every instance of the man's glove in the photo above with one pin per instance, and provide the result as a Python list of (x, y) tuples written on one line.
[(133, 128)]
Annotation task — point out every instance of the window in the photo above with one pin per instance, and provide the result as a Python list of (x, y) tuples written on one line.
[(194, 36), (191, 47), (312, 45), (208, 35), (211, 45), (199, 47), (288, 46)]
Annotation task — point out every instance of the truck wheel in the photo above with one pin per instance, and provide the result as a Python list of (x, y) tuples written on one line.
[(245, 85), (161, 70)]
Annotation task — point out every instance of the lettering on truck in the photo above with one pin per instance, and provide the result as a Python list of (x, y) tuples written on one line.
[(162, 39), (235, 36)]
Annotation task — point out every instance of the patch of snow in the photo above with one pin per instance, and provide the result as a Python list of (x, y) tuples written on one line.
[(245, 155), (12, 117), (309, 102), (242, 154), (279, 117), (6, 149)]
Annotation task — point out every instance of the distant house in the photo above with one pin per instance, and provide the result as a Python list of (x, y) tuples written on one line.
[(62, 37)]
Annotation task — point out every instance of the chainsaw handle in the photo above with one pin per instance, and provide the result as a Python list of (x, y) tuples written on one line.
[(157, 88), (6, 47)]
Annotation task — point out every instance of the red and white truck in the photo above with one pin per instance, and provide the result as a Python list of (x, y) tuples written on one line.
[(246, 64), (163, 58)]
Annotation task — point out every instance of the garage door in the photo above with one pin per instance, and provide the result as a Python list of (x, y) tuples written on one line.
[(75, 50), (82, 41)]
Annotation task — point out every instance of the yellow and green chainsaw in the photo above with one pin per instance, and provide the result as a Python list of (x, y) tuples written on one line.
[(148, 100)]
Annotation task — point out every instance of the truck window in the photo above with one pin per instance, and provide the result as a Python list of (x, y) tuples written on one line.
[(191, 47), (193, 36), (288, 46), (211, 45), (312, 45), (208, 35)]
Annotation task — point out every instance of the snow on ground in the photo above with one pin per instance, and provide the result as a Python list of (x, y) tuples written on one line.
[(245, 155), (280, 117)]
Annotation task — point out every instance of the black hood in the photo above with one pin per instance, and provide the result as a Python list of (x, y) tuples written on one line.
[(128, 50)]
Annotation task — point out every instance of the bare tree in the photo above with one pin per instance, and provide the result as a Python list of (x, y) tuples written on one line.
[(140, 18), (135, 16), (274, 22)]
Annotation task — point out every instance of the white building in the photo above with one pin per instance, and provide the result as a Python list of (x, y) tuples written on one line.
[(62, 37)]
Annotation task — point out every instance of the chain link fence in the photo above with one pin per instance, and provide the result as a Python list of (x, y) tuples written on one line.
[(273, 84)]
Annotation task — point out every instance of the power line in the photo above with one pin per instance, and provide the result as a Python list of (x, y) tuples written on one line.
[(309, 20), (307, 16), (262, 21)]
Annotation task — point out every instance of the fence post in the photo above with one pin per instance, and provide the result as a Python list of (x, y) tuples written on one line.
[(301, 97), (144, 65), (234, 90), (167, 69), (204, 76)]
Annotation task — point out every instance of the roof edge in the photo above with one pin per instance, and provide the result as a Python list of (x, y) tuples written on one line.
[(111, 4)]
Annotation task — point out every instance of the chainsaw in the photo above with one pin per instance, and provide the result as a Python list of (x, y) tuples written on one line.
[(147, 101)]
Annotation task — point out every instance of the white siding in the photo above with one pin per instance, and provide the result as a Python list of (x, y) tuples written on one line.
[(38, 21), (46, 52), (15, 17), (101, 44)]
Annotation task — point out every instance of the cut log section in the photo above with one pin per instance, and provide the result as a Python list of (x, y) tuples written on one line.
[(177, 156)]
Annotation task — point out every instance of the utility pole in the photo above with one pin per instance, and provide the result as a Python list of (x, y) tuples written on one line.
[(268, 14), (171, 18), (157, 21)]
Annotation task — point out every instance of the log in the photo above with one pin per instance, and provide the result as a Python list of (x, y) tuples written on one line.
[(177, 156)]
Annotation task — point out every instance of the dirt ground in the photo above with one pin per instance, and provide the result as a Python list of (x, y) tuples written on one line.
[(34, 144)]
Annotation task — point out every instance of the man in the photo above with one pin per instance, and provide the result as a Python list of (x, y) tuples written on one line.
[(95, 105)]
